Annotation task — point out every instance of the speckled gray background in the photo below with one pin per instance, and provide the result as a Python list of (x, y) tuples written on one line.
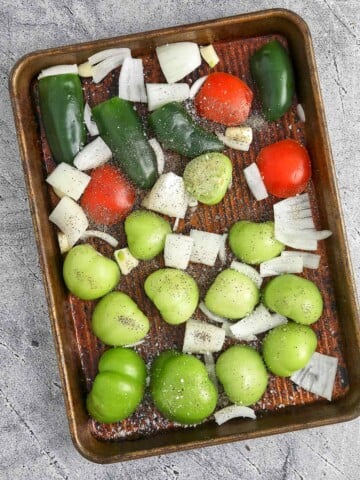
[(35, 442)]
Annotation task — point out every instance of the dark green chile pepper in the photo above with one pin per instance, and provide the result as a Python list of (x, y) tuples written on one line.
[(178, 132), (62, 113), (274, 77), (121, 129)]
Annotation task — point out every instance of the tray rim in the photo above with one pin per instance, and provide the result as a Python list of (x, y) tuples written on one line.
[(23, 141)]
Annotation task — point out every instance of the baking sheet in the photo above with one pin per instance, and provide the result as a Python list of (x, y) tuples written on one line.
[(78, 362)]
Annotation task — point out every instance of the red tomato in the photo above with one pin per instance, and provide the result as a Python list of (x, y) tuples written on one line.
[(109, 196), (285, 168), (224, 98)]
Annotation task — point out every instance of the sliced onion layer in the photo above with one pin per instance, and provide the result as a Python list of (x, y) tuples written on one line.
[(210, 367), (176, 224), (102, 235), (167, 196), (301, 113), (69, 181), (222, 249), (132, 345), (106, 66), (70, 218), (159, 154), (249, 271), (177, 250), (89, 122), (233, 411), (293, 203), (255, 182), (228, 332), (159, 94), (131, 80), (210, 315), (311, 234), (279, 265), (195, 87), (201, 337), (93, 155), (126, 261), (296, 241), (240, 134), (318, 376), (63, 242), (110, 52), (210, 56), (294, 225), (85, 70), (310, 260), (259, 321), (206, 247), (178, 59), (58, 70), (234, 144)]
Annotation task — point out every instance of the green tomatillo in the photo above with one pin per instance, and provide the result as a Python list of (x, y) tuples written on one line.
[(294, 297), (242, 373), (253, 242), (117, 320), (181, 388), (174, 293), (88, 274), (288, 348), (232, 295), (208, 177), (146, 233), (119, 386)]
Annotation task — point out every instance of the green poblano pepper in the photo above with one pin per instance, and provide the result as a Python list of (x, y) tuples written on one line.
[(62, 113), (178, 132), (273, 74), (121, 129)]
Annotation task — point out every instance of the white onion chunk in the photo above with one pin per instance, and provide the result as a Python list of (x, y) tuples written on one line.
[(247, 270), (259, 321), (210, 315), (178, 59), (177, 250), (102, 235), (233, 411), (167, 196), (89, 122), (70, 218), (93, 155), (159, 94), (108, 53), (255, 182), (206, 247), (131, 81), (201, 337), (318, 376), (279, 265), (58, 70), (310, 260), (69, 181)]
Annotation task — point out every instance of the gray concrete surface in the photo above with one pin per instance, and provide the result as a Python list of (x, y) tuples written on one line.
[(35, 442)]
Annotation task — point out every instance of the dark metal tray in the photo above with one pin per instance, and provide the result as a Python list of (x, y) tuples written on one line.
[(284, 407)]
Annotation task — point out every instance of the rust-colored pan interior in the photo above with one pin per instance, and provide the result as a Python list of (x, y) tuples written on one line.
[(284, 407)]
